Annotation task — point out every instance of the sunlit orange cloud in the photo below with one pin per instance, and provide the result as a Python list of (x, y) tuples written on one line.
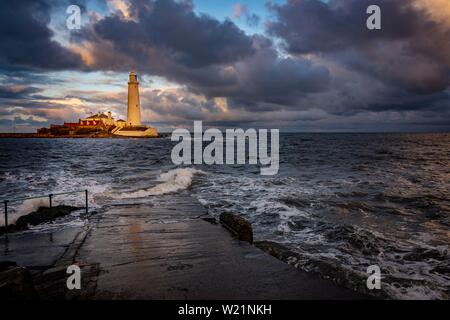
[(101, 55), (119, 96), (175, 105), (85, 50), (45, 114), (170, 105), (66, 109), (72, 102), (438, 9), (222, 103), (121, 7)]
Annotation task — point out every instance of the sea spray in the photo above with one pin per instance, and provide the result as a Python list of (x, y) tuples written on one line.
[(172, 181), (25, 207)]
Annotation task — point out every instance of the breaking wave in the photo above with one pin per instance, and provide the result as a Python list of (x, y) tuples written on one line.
[(171, 181), (26, 207), (339, 234)]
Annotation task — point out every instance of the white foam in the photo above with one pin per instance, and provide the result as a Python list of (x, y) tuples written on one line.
[(172, 181), (26, 207), (32, 205)]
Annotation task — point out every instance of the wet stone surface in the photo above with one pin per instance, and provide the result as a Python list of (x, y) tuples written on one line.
[(161, 251), (168, 251)]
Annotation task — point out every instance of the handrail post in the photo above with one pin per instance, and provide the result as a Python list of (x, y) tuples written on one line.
[(50, 200), (6, 215), (87, 207)]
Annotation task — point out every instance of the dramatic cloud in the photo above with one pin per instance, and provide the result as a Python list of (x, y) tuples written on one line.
[(26, 40), (411, 51), (122, 7), (16, 91), (174, 30), (280, 81)]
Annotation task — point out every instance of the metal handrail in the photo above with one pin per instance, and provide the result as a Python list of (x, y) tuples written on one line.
[(50, 198)]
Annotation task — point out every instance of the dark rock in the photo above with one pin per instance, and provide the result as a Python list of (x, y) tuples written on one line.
[(240, 227), (209, 219), (16, 283), (275, 249), (42, 215), (6, 264), (286, 254), (332, 271)]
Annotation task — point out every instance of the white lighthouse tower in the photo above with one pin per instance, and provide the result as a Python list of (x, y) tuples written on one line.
[(134, 106), (134, 127)]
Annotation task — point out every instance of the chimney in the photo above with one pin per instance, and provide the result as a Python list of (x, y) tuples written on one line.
[(109, 115)]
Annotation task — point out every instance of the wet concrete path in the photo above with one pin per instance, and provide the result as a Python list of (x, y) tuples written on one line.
[(163, 250), (166, 251)]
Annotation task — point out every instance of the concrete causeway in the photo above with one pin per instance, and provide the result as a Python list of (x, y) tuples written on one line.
[(165, 250)]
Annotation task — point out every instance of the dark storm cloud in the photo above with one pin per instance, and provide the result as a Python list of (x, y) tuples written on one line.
[(312, 25), (262, 81), (17, 92), (411, 51), (438, 102), (26, 38), (191, 40), (266, 77)]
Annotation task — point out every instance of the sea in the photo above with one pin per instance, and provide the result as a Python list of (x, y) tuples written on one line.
[(340, 202)]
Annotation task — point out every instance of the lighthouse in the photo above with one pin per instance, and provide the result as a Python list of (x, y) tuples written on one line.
[(134, 127), (134, 106)]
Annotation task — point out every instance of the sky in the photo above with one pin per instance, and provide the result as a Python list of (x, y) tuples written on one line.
[(296, 65)]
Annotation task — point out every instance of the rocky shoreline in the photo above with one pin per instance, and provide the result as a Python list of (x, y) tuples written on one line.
[(42, 215), (85, 136)]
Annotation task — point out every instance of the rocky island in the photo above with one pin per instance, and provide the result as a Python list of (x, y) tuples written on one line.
[(100, 125)]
